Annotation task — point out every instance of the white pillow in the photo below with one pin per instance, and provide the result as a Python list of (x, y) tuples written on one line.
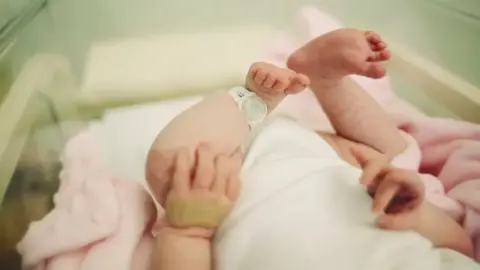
[(138, 69)]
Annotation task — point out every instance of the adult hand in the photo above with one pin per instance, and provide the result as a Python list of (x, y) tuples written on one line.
[(203, 190)]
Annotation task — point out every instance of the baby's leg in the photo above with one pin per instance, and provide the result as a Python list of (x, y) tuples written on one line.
[(217, 121), (327, 61), (352, 152)]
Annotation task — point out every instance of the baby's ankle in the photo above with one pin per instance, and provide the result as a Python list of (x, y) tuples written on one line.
[(325, 84), (272, 100)]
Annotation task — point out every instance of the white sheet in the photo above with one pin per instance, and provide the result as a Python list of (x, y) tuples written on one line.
[(272, 226), (301, 207)]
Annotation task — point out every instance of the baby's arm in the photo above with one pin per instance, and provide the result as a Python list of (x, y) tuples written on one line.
[(356, 116), (442, 230), (203, 192), (175, 250), (399, 199)]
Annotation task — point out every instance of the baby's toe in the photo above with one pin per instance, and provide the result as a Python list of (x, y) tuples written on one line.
[(373, 70), (260, 76), (376, 47), (281, 84), (375, 41), (379, 56), (298, 83), (302, 79), (270, 80), (372, 37)]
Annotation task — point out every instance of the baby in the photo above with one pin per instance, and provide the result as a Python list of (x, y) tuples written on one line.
[(195, 159)]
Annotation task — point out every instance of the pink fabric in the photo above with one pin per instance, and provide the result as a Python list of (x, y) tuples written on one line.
[(445, 152), (100, 222), (451, 152)]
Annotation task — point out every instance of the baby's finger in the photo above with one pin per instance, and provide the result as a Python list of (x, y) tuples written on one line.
[(233, 187), (400, 222), (412, 186), (204, 171), (384, 195), (402, 205), (181, 176), (415, 184), (371, 171), (222, 172)]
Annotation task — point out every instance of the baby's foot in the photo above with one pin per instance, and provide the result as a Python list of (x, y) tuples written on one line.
[(273, 84), (339, 53)]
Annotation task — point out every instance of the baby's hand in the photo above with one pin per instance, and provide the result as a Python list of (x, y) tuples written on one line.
[(397, 194), (203, 191)]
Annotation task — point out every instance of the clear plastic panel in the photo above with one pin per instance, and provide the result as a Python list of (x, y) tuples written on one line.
[(9, 9)]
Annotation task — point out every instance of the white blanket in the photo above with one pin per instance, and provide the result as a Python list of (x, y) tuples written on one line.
[(302, 208)]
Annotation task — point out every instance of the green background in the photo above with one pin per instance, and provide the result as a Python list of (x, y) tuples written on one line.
[(445, 31)]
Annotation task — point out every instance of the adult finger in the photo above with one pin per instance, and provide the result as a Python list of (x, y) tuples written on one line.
[(181, 175), (159, 172), (233, 183), (204, 170), (233, 187), (222, 172)]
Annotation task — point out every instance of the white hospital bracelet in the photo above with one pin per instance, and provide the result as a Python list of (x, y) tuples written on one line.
[(252, 106)]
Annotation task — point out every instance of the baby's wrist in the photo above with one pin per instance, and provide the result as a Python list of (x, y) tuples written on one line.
[(191, 232)]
